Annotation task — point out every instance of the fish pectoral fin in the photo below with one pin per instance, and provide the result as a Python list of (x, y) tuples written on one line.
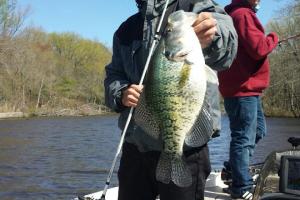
[(211, 75), (163, 169), (202, 129), (144, 119), (181, 174)]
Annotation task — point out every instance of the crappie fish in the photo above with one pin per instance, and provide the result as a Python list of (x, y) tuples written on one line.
[(172, 106)]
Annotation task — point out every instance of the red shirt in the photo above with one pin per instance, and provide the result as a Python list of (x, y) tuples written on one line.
[(249, 73)]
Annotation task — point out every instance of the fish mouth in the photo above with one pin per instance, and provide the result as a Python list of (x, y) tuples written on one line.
[(179, 56)]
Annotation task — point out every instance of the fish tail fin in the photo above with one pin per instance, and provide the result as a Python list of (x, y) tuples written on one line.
[(175, 169), (163, 169), (181, 174)]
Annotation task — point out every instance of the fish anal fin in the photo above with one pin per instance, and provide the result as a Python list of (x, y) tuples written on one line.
[(202, 129)]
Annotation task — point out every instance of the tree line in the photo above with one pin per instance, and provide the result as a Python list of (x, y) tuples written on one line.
[(282, 98), (44, 71)]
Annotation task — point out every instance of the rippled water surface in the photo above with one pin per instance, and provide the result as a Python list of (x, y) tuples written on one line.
[(59, 158)]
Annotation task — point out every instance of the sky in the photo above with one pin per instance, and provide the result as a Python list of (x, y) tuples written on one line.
[(98, 19)]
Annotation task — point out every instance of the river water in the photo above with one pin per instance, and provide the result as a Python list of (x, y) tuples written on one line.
[(59, 158)]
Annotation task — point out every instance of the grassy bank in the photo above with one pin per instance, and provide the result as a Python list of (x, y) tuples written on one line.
[(74, 110)]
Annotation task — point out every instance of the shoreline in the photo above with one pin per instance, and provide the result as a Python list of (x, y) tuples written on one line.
[(8, 115), (84, 110), (74, 113), (44, 111), (20, 115)]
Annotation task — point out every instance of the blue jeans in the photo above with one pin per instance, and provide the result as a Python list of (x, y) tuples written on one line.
[(248, 126)]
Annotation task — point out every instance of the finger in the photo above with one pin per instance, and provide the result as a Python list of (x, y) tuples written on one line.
[(138, 88), (133, 91), (132, 99), (129, 101), (205, 25), (130, 104), (207, 34), (202, 17), (131, 95)]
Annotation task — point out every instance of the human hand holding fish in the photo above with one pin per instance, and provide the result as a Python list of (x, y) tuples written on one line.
[(131, 94), (205, 28)]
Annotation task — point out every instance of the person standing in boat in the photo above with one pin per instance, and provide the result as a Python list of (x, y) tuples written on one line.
[(242, 86), (131, 44)]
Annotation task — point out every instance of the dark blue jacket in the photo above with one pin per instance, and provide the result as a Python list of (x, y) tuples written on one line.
[(130, 48)]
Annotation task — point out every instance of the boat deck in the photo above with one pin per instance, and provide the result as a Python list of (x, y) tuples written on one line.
[(213, 190)]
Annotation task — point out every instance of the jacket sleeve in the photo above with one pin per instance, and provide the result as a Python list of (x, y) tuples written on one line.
[(258, 44), (115, 80), (222, 51)]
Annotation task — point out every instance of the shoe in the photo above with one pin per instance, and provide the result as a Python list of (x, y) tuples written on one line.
[(248, 195), (226, 176), (216, 133), (226, 173), (227, 190)]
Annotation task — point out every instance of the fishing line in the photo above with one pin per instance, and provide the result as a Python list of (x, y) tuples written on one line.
[(155, 41)]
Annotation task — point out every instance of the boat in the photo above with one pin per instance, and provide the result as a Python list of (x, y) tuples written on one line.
[(277, 178), (213, 190)]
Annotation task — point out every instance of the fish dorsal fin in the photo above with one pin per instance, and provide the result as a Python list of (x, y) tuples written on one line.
[(211, 75)]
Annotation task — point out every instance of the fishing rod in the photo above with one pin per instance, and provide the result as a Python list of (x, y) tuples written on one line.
[(155, 41), (288, 38)]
